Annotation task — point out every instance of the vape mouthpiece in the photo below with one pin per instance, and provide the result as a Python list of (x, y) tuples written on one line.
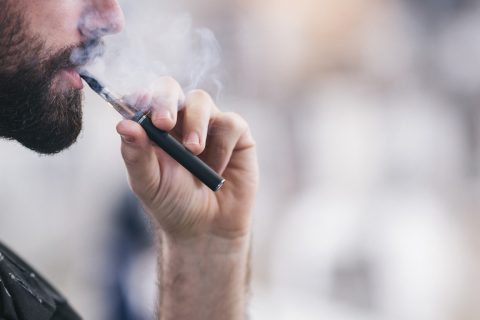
[(92, 82), (126, 110)]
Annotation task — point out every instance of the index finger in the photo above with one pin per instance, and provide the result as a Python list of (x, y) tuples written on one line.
[(167, 98)]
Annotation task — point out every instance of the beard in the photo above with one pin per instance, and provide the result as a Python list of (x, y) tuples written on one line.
[(32, 111)]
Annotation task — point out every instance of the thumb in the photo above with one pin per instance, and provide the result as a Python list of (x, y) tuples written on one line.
[(140, 159)]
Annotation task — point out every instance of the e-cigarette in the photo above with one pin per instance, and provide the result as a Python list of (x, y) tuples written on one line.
[(164, 140)]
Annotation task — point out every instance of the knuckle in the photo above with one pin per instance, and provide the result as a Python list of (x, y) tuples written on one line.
[(168, 81), (140, 100), (166, 87), (235, 122), (130, 159), (198, 96), (133, 157)]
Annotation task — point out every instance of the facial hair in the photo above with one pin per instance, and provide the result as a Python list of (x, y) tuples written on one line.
[(31, 110)]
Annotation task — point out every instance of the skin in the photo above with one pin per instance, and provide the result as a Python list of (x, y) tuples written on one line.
[(204, 237)]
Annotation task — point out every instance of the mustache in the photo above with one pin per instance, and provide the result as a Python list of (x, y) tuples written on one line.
[(76, 56), (73, 57), (86, 52)]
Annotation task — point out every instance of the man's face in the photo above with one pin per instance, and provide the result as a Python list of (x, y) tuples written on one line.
[(40, 99)]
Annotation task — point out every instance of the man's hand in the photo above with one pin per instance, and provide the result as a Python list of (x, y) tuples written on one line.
[(205, 235)]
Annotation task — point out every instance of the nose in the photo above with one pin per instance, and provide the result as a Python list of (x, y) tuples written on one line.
[(100, 18)]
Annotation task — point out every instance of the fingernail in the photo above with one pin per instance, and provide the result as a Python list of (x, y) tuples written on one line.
[(192, 138), (163, 114), (127, 139)]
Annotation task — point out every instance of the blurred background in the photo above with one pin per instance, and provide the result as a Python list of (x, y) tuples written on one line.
[(368, 130)]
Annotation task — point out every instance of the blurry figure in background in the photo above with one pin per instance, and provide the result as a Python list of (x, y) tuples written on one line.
[(131, 252), (204, 237)]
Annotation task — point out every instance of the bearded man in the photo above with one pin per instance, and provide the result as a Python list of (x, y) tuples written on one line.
[(203, 237)]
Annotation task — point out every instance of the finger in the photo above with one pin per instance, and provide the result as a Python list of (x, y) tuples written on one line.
[(166, 99), (199, 108), (140, 159), (140, 100), (228, 132)]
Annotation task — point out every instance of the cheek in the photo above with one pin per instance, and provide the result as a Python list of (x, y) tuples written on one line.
[(56, 22)]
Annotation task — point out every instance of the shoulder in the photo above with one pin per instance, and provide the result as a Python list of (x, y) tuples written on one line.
[(24, 294)]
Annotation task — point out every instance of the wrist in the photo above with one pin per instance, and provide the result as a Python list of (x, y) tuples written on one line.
[(232, 230), (205, 277), (205, 244)]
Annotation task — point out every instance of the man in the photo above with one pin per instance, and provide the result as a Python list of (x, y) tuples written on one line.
[(203, 236)]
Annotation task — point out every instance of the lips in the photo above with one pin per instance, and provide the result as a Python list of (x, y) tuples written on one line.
[(68, 77), (71, 77)]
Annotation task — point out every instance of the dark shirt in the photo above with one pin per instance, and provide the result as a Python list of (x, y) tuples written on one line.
[(24, 295)]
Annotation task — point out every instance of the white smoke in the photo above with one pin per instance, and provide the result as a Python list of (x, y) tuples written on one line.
[(156, 43)]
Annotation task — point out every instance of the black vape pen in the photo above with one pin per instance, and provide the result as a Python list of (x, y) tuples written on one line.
[(165, 141)]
